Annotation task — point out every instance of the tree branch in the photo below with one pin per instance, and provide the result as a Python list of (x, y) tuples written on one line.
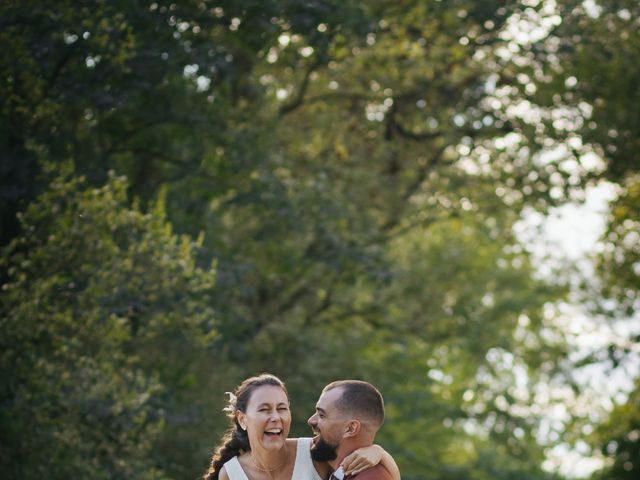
[(299, 98), (413, 188)]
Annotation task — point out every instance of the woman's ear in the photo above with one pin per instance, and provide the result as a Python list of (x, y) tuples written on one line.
[(241, 419)]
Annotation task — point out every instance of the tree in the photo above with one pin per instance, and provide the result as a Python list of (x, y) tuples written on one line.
[(595, 58), (587, 67), (104, 312), (155, 90), (353, 171), (619, 440)]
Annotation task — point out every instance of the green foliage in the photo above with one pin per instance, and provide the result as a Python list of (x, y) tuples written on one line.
[(353, 173), (619, 440), (443, 320), (155, 90), (598, 50), (619, 265), (100, 304), (592, 71)]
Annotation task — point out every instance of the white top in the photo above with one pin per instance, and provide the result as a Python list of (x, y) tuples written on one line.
[(303, 469)]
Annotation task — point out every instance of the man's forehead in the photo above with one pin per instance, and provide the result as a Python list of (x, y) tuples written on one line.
[(328, 399)]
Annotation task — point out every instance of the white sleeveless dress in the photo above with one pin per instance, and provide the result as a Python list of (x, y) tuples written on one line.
[(303, 469)]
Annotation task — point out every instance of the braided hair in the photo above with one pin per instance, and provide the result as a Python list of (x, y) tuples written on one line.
[(236, 440)]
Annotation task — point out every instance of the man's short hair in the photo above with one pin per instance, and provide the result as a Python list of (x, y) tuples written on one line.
[(360, 399)]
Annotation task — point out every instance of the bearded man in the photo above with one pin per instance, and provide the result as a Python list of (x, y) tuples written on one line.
[(348, 415)]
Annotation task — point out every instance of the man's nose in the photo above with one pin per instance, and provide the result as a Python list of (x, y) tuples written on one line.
[(312, 420)]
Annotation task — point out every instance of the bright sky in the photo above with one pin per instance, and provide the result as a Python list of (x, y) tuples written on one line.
[(570, 235)]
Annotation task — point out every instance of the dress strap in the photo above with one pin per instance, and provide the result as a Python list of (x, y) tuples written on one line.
[(234, 470), (304, 468)]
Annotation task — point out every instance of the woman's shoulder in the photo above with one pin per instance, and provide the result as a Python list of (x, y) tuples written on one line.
[(222, 475), (233, 469)]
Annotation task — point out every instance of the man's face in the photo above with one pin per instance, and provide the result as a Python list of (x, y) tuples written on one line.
[(328, 425)]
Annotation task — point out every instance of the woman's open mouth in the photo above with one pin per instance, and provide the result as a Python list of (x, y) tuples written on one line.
[(273, 432)]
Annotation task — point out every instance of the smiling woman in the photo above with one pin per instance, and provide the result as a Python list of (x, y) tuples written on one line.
[(256, 446), (266, 420)]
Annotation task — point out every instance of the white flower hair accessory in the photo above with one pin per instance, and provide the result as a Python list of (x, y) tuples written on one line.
[(230, 409)]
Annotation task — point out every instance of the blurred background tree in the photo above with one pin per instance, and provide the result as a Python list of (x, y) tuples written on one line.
[(197, 191), (587, 67)]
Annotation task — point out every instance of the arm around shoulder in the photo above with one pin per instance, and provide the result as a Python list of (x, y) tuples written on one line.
[(363, 459), (390, 465)]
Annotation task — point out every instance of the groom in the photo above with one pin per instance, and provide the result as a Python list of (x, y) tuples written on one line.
[(348, 415)]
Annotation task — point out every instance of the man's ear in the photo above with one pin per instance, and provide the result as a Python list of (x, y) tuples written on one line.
[(352, 428)]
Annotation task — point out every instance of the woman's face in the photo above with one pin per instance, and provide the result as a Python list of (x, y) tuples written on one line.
[(267, 419)]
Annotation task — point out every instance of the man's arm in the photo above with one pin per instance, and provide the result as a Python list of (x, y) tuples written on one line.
[(363, 459), (390, 465)]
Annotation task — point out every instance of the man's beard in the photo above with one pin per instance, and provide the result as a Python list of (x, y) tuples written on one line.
[(321, 451)]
